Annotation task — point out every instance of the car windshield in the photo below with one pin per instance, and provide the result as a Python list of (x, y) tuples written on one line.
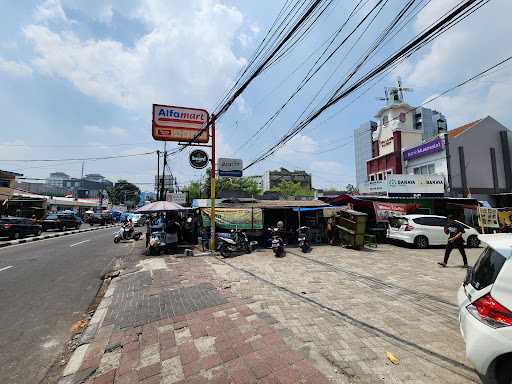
[(52, 217), (397, 222), (487, 268)]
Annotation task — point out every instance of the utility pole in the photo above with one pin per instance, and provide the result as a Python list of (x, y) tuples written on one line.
[(162, 186), (212, 190), (157, 174)]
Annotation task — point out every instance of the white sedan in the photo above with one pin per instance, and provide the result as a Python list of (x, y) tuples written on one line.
[(485, 310)]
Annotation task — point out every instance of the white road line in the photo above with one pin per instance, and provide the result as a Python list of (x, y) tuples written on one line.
[(80, 242), (6, 268)]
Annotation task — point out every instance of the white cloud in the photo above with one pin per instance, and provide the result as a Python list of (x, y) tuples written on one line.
[(98, 132), (186, 58), (50, 10), (300, 145), (476, 43), (14, 68)]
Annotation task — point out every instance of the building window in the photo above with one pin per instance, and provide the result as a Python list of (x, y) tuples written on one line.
[(380, 176), (384, 119), (428, 169), (372, 177)]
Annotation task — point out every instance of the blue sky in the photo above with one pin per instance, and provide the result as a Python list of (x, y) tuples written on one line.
[(78, 79)]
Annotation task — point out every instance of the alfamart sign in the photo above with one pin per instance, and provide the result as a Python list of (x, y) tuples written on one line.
[(172, 123), (433, 146)]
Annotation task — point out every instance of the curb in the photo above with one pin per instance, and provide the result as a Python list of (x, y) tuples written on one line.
[(52, 235)]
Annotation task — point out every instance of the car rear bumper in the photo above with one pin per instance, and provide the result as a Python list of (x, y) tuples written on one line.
[(483, 343), (407, 237)]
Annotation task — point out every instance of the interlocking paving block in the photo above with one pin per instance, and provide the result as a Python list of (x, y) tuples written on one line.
[(134, 305)]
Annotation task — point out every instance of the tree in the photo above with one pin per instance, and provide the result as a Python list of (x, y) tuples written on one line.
[(290, 188), (124, 192), (224, 184), (194, 190), (351, 190)]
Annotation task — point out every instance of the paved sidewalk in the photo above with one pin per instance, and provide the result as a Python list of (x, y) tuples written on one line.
[(175, 320)]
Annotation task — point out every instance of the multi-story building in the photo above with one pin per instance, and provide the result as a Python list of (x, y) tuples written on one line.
[(273, 178), (363, 149), (57, 179), (431, 122), (474, 159), (258, 179)]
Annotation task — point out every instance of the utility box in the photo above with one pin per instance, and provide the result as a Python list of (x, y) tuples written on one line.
[(351, 227)]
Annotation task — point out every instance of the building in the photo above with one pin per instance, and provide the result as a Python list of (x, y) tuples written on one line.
[(258, 179), (430, 122), (7, 185), (57, 179), (363, 149), (378, 145), (474, 159), (42, 188), (272, 179), (88, 189), (96, 177)]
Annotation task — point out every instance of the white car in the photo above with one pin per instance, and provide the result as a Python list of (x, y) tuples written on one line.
[(425, 230), (485, 310)]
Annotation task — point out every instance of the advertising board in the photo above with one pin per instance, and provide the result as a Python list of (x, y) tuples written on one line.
[(432, 146), (415, 185), (230, 167), (177, 197), (488, 217), (234, 218), (383, 210), (171, 123)]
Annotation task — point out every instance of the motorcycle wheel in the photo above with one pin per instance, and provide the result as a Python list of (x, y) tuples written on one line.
[(116, 240), (224, 251), (136, 236)]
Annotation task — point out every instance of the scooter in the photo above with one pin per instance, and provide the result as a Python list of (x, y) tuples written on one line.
[(277, 243), (304, 236), (237, 242), (120, 235)]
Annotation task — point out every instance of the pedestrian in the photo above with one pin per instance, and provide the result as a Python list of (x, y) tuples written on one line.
[(454, 230), (148, 230)]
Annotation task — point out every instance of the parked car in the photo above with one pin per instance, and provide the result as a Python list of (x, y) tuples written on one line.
[(137, 219), (61, 221), (425, 230), (101, 219), (485, 310), (17, 227)]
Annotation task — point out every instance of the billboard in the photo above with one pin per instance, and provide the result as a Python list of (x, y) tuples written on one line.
[(230, 167), (171, 123), (383, 210), (415, 185), (233, 218), (433, 146)]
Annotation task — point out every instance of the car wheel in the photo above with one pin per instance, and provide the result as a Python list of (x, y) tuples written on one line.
[(473, 241), (15, 236), (38, 232), (63, 228), (421, 242)]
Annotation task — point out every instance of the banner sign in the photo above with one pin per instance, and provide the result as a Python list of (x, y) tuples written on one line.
[(172, 123), (383, 211), (433, 146), (233, 218), (488, 217), (230, 167), (178, 197), (415, 185)]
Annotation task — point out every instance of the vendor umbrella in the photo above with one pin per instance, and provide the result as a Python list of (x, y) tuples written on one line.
[(160, 206)]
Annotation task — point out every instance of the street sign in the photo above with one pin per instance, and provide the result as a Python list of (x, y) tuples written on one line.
[(177, 197), (198, 159), (172, 123), (230, 167)]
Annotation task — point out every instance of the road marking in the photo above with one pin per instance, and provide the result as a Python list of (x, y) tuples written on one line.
[(6, 268), (80, 242)]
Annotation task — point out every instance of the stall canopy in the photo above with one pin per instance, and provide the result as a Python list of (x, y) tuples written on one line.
[(160, 206)]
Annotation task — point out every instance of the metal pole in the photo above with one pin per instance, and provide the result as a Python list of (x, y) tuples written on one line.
[(157, 174), (162, 186), (212, 191)]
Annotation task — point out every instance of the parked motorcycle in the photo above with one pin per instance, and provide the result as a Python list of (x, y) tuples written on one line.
[(236, 242), (125, 234), (304, 238), (277, 243)]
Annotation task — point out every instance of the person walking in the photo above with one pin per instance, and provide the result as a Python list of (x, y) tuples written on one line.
[(454, 231)]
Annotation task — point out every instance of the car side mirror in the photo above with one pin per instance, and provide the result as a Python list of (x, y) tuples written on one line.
[(470, 273)]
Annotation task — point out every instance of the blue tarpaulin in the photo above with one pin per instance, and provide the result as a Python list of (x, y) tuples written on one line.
[(308, 209)]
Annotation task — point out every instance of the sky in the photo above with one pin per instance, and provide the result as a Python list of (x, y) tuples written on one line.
[(78, 79)]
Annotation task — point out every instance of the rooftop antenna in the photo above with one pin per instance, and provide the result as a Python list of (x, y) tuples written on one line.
[(385, 98), (402, 89)]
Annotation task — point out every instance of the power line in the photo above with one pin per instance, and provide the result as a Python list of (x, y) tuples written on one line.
[(81, 159)]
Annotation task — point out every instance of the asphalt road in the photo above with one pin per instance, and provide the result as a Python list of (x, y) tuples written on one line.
[(45, 286)]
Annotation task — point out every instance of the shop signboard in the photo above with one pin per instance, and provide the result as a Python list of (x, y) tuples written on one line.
[(234, 218), (230, 167), (488, 217), (432, 146), (383, 210), (376, 187), (198, 159), (177, 197), (415, 185), (171, 123)]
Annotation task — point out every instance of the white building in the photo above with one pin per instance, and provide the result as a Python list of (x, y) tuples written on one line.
[(57, 179)]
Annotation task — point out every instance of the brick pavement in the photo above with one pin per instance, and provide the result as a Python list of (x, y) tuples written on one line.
[(176, 321), (344, 309)]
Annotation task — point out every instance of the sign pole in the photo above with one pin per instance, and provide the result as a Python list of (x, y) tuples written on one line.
[(212, 190)]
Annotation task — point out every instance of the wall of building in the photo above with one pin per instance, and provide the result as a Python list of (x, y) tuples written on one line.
[(363, 149), (476, 143)]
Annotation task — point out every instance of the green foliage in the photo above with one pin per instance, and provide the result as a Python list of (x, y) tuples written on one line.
[(124, 192), (290, 188), (194, 190), (238, 184), (351, 190)]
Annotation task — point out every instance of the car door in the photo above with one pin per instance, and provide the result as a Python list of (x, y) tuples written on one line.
[(439, 223)]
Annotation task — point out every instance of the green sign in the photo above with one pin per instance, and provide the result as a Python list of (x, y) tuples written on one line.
[(233, 218)]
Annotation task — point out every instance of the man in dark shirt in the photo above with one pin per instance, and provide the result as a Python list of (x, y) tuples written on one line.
[(454, 231)]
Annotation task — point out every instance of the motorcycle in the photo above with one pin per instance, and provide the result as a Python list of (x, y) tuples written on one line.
[(304, 239), (126, 234), (277, 243), (237, 242)]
